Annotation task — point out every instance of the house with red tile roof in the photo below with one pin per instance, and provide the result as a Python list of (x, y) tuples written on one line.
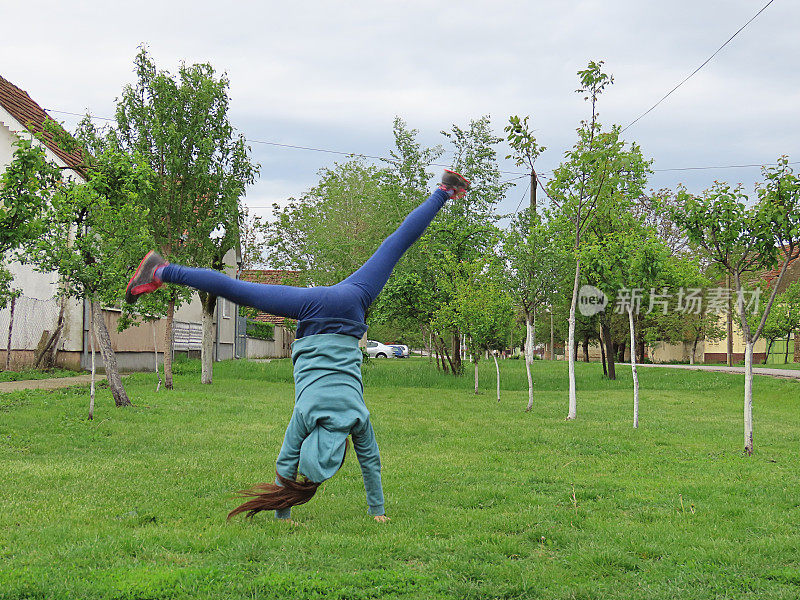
[(37, 310)]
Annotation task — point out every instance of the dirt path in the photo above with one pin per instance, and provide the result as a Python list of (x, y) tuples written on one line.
[(46, 384), (783, 373)]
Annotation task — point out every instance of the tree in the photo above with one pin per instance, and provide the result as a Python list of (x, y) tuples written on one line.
[(465, 229), (744, 241), (180, 125), (536, 272), (597, 173), (90, 232), (526, 150), (331, 231), (483, 311), (629, 262)]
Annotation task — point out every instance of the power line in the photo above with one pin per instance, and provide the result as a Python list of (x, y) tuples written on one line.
[(723, 167), (296, 147), (519, 173), (525, 193), (669, 93)]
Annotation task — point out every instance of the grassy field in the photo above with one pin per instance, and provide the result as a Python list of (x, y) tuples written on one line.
[(486, 501)]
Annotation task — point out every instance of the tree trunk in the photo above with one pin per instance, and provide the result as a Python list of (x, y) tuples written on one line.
[(786, 355), (621, 352), (769, 349), (168, 339), (155, 356), (209, 302), (430, 347), (586, 348), (748, 397), (446, 354), (612, 371), (729, 348), (91, 383), (455, 361), (10, 330), (552, 337), (109, 358), (497, 368), (530, 332), (633, 370), (603, 351), (573, 398), (476, 377), (46, 358)]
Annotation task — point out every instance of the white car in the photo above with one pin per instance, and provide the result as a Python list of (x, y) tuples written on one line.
[(378, 350)]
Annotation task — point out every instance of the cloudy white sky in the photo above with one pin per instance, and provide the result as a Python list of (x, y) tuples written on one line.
[(333, 75)]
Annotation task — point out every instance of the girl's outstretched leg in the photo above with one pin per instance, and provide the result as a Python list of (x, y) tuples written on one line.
[(374, 274), (281, 300)]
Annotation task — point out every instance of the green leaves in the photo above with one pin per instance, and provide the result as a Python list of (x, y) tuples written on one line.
[(522, 141), (179, 125)]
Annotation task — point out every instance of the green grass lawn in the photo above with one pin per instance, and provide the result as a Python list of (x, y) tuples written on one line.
[(486, 500)]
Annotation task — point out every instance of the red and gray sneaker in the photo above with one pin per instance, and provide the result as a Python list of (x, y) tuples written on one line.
[(145, 280), (454, 183)]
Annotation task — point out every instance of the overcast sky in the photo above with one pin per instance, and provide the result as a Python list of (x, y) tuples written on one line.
[(333, 75)]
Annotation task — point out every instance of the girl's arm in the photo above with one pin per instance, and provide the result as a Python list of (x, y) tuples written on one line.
[(369, 458), (289, 456)]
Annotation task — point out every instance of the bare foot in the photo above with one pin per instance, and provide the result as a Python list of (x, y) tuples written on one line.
[(382, 519)]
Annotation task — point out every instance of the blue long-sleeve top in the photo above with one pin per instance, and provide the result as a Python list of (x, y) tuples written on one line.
[(329, 406)]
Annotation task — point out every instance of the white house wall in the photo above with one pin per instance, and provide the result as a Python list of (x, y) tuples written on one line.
[(41, 286)]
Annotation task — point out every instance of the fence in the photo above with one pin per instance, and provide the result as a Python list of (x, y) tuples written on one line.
[(33, 317), (187, 336)]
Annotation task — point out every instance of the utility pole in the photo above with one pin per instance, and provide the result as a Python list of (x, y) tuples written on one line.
[(534, 182)]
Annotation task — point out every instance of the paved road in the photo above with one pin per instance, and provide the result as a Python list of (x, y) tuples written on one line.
[(784, 373), (47, 384)]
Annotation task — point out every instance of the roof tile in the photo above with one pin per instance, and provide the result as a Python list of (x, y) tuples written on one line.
[(32, 116)]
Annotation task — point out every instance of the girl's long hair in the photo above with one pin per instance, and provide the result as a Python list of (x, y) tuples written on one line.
[(272, 496)]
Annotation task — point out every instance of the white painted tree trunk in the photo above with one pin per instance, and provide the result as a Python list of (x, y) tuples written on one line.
[(497, 368), (155, 356), (529, 358), (748, 397), (633, 371), (476, 377), (91, 384), (207, 347), (573, 399)]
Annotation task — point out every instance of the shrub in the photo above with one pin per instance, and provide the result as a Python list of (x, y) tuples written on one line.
[(260, 331)]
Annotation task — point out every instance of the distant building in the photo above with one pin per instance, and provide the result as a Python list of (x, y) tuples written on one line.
[(281, 347)]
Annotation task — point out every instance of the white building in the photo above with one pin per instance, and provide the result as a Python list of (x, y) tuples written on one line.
[(36, 311)]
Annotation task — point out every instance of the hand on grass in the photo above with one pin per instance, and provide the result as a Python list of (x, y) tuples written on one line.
[(292, 523), (382, 519)]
